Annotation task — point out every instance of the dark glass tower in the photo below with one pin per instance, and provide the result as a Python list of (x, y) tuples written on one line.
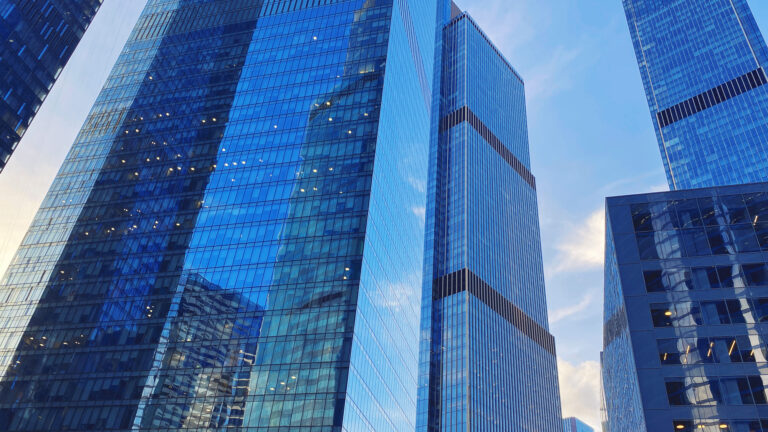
[(703, 63), (686, 309), (235, 239), (488, 360), (37, 37)]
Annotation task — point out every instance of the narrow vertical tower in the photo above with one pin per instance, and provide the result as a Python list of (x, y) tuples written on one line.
[(702, 65), (235, 240), (488, 363), (37, 39)]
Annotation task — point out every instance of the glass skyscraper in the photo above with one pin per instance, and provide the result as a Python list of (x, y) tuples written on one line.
[(36, 40), (572, 424), (488, 360), (686, 305), (702, 64), (236, 238)]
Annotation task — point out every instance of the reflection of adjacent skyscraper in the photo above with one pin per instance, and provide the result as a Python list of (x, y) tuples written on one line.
[(489, 361), (224, 177), (204, 359), (685, 304), (36, 40), (702, 65)]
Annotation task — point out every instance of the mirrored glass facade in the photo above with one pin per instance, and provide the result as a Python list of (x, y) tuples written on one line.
[(488, 360), (572, 424), (686, 305), (703, 65), (37, 37), (235, 240)]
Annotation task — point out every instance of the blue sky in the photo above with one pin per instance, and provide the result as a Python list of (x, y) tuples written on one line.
[(590, 133)]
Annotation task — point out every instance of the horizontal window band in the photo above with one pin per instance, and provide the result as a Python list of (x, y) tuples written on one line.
[(712, 97), (465, 280), (464, 114)]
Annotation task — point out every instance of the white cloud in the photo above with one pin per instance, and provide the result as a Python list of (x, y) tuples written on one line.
[(552, 76), (583, 246), (568, 311), (580, 391)]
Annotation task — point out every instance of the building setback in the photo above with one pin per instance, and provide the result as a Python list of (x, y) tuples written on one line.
[(686, 304), (37, 39), (703, 65), (489, 362)]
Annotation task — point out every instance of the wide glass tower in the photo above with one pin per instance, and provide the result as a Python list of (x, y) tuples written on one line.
[(488, 360), (235, 239), (36, 40), (686, 309), (702, 64)]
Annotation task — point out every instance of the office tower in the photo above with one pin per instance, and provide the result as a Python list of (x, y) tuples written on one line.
[(702, 64), (572, 424), (236, 237), (489, 361), (686, 302), (36, 40)]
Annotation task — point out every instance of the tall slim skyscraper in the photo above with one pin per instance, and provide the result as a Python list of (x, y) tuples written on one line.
[(236, 237), (702, 64), (37, 37), (686, 305), (488, 363)]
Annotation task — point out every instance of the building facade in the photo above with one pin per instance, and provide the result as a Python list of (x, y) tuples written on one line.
[(702, 64), (572, 424), (37, 39), (235, 239), (488, 363), (686, 305)]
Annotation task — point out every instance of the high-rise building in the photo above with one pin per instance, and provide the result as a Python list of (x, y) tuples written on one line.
[(36, 40), (686, 304), (236, 238), (572, 424), (488, 363), (702, 64)]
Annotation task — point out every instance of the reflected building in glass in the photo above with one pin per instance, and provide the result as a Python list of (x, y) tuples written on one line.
[(488, 359), (37, 39), (236, 238), (686, 304), (702, 64)]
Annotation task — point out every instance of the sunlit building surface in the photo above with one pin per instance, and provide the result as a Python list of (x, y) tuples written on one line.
[(686, 305), (703, 65), (37, 39), (219, 249), (572, 424), (488, 363)]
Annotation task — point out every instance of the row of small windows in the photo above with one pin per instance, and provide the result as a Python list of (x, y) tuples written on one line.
[(732, 349), (701, 212), (703, 278), (720, 426), (696, 242), (691, 390), (715, 312), (712, 97)]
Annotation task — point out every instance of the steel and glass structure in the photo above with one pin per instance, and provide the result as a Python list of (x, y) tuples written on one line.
[(236, 237), (572, 424), (686, 305), (37, 39), (703, 65), (488, 360)]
